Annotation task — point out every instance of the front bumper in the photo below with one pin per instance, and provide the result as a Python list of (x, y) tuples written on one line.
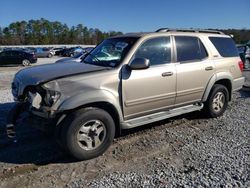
[(24, 112), (12, 118)]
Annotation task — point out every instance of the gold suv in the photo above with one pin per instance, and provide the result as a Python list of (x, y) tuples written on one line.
[(128, 81)]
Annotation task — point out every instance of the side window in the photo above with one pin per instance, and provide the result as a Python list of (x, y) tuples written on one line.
[(2, 54), (225, 46), (39, 50), (14, 53), (20, 53), (189, 49), (157, 50), (8, 53)]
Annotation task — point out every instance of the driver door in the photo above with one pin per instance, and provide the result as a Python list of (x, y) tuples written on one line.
[(154, 89)]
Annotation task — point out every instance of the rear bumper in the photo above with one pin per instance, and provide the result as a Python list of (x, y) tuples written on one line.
[(238, 83)]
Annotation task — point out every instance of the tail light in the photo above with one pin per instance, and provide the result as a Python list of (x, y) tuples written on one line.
[(241, 65)]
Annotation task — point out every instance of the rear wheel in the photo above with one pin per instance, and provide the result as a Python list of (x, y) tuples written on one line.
[(217, 101), (87, 133), (25, 62), (49, 55)]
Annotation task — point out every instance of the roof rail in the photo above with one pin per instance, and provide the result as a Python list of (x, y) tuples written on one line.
[(189, 30)]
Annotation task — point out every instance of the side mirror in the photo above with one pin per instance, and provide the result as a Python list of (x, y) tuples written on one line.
[(139, 63)]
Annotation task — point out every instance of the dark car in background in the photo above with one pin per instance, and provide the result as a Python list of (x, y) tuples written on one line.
[(56, 50), (13, 57), (70, 52), (60, 52), (76, 58), (244, 52)]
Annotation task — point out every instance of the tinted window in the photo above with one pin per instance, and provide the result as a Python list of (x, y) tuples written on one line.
[(157, 50), (3, 54), (225, 46), (189, 48), (8, 53), (15, 53)]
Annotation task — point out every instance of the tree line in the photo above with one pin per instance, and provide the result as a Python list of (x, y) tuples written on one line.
[(240, 36), (43, 31)]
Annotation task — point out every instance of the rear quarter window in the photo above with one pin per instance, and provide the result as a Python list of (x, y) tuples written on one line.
[(225, 46)]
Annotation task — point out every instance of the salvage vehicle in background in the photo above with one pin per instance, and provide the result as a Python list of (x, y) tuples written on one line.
[(128, 81), (244, 52), (55, 50), (43, 52), (13, 57), (76, 58), (70, 52)]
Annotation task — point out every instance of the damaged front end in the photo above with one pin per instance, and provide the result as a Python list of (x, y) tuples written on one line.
[(39, 102)]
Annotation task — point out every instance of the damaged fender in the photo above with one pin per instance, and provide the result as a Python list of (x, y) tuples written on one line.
[(91, 96)]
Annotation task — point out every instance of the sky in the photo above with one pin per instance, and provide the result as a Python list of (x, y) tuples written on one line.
[(131, 15)]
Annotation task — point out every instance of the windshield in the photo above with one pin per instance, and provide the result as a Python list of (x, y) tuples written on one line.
[(110, 52)]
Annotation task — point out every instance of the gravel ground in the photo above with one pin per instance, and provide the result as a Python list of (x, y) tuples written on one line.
[(186, 151)]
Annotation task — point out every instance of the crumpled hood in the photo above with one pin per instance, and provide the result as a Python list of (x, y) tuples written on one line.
[(43, 73)]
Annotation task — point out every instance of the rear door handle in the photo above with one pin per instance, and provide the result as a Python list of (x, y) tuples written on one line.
[(167, 74), (209, 68)]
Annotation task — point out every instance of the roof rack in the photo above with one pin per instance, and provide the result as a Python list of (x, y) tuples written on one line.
[(189, 30)]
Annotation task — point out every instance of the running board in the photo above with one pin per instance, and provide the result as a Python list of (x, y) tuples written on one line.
[(160, 116)]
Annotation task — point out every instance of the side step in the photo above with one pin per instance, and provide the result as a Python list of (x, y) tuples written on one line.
[(160, 116)]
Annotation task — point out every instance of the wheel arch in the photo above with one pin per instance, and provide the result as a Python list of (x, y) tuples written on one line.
[(224, 79), (106, 106), (98, 99)]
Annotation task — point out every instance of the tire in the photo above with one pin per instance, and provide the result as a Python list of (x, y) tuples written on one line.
[(49, 55), (247, 64), (26, 62), (87, 133), (217, 101)]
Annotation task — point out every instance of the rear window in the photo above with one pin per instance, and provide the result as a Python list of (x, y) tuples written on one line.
[(225, 46)]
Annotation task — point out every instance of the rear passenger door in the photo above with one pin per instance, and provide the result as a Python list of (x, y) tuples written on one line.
[(194, 69)]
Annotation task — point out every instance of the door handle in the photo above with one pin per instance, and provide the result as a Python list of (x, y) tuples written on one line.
[(209, 68), (167, 74)]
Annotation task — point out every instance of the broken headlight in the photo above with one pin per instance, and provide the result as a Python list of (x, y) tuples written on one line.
[(52, 93)]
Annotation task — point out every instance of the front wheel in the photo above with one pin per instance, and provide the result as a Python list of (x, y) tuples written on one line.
[(217, 101), (87, 133)]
